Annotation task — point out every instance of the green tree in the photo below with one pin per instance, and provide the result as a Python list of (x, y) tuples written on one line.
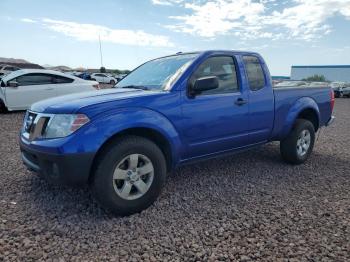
[(102, 69), (315, 78)]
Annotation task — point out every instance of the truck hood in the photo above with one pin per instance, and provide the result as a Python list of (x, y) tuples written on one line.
[(73, 103)]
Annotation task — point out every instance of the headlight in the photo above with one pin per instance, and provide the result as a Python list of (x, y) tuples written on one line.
[(62, 125)]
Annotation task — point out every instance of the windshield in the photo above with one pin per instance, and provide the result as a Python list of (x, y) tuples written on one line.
[(158, 74)]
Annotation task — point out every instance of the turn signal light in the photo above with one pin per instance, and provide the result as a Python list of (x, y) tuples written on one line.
[(79, 121)]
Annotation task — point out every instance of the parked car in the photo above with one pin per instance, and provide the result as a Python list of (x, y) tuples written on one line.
[(103, 78), (22, 88), (290, 83), (168, 112), (313, 84), (346, 90), (5, 69), (84, 75), (338, 88), (119, 77)]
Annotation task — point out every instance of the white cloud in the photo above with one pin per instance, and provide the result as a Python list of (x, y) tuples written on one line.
[(307, 19), (166, 2), (91, 32), (299, 19), (28, 20), (218, 17)]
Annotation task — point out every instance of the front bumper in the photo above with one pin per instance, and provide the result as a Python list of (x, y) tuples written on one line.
[(66, 169), (330, 121)]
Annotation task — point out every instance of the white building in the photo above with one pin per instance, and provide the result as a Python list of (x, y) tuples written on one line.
[(339, 73)]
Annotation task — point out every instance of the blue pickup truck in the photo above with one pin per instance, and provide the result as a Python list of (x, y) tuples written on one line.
[(168, 112)]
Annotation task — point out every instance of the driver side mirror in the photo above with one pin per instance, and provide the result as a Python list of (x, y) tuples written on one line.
[(12, 83), (204, 84)]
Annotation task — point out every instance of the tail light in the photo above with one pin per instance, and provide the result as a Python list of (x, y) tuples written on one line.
[(97, 86), (332, 100)]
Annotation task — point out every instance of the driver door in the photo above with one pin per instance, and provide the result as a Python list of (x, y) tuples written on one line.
[(216, 120)]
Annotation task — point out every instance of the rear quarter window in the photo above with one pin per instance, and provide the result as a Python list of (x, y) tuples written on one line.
[(255, 73), (62, 80)]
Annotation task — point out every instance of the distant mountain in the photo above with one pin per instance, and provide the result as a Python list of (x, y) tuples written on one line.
[(59, 68), (4, 60), (21, 63)]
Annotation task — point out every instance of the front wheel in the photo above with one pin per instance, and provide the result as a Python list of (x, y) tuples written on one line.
[(130, 175), (3, 108), (112, 82), (298, 145)]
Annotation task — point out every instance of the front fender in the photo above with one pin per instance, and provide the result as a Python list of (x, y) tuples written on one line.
[(103, 127), (300, 105)]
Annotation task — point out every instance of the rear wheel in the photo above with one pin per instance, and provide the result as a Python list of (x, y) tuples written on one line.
[(112, 82), (298, 145), (129, 176)]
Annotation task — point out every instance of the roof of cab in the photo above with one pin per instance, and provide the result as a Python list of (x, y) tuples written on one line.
[(209, 52), (216, 51)]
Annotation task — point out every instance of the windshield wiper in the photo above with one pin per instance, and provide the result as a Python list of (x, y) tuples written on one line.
[(136, 87)]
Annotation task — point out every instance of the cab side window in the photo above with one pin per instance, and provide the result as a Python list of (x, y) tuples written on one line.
[(34, 79), (223, 67), (255, 72)]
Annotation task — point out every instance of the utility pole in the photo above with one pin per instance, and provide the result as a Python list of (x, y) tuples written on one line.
[(99, 39)]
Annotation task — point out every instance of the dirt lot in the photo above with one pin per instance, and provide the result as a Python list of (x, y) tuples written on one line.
[(244, 207)]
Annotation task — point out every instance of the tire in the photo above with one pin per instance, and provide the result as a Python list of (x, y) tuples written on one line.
[(112, 82), (3, 108), (93, 79), (293, 149), (108, 190)]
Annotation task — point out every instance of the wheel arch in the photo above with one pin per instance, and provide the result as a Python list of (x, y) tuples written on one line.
[(311, 115), (303, 108), (154, 135)]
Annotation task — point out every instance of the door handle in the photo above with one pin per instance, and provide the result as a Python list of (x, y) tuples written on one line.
[(240, 101), (50, 88)]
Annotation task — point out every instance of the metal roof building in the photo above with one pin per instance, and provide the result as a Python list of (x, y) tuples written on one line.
[(339, 73)]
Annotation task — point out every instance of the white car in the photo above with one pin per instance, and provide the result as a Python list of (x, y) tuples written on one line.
[(103, 78), (20, 89), (120, 77)]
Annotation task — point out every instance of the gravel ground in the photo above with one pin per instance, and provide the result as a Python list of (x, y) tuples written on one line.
[(249, 206)]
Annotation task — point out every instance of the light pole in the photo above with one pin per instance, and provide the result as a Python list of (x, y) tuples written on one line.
[(99, 40)]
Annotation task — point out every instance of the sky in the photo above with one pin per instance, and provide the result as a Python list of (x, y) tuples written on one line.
[(64, 32)]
